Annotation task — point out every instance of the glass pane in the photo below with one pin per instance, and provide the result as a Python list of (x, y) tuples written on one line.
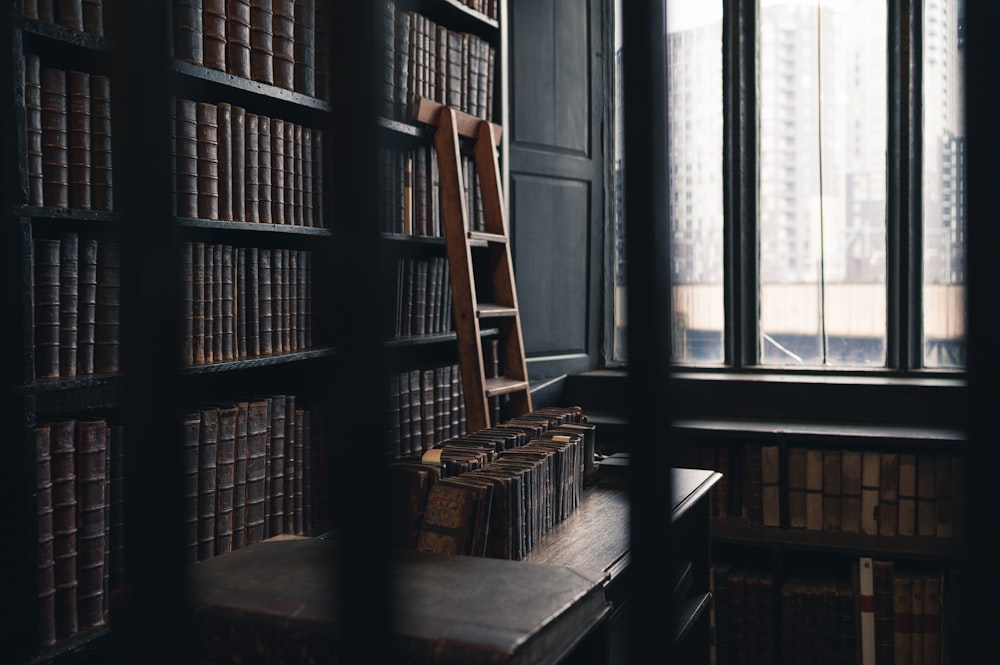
[(822, 196), (694, 112), (943, 186)]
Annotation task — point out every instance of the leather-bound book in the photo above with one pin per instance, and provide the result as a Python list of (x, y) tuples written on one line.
[(871, 461), (945, 493), (264, 170), (907, 494), (293, 301), (416, 411), (240, 297), (888, 494), (224, 131), (30, 9), (240, 474), (883, 587), (46, 309), (323, 51), (33, 126), (449, 519), (55, 138), (770, 484), (298, 203), (187, 305), (304, 320), (832, 468), (208, 450), (69, 303), (210, 330), (208, 161), (814, 489), (70, 14), (218, 303), (93, 17), (264, 281), (288, 174), (226, 299), (86, 304), (902, 610), (850, 491), (283, 42), (107, 323), (307, 471), (189, 34), (186, 157), (305, 47), (277, 161), (238, 36), (46, 562), (277, 301), (238, 155), (251, 286), (79, 137), (261, 41), (402, 65), (291, 450), (252, 168), (308, 178), (319, 219), (64, 525), (225, 478), (402, 381), (214, 43), (309, 304), (257, 427), (101, 197), (198, 303), (91, 445), (277, 439), (932, 619), (191, 453)]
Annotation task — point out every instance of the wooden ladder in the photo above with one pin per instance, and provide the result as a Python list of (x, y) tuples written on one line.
[(483, 253)]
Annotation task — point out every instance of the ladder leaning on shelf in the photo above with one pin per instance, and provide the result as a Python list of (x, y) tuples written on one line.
[(493, 251)]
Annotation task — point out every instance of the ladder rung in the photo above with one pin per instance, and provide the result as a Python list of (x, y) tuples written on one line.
[(488, 237), (485, 311), (501, 385)]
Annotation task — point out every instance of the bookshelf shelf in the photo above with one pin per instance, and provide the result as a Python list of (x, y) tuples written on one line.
[(190, 77), (411, 239), (69, 214), (252, 363), (463, 17), (75, 383), (79, 648), (398, 127), (437, 338), (252, 227), (31, 28)]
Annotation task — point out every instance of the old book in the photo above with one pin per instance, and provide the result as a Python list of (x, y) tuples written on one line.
[(198, 303), (191, 455), (279, 300), (240, 474), (797, 487), (301, 455), (264, 280), (283, 43), (323, 51), (402, 381), (264, 171), (55, 140), (261, 41), (45, 537), (91, 443), (888, 499), (871, 462), (107, 326), (227, 299), (866, 595), (850, 491), (214, 34), (388, 58), (208, 452), (402, 64), (186, 157), (33, 127), (218, 302), (917, 614), (736, 585), (902, 610), (449, 524), (926, 495), (752, 489), (276, 477), (305, 47), (189, 33), (257, 427), (814, 489), (46, 272), (240, 297), (208, 161), (251, 179), (319, 216), (907, 495), (102, 196), (187, 305), (299, 179), (289, 172), (238, 37), (86, 304), (238, 169), (832, 469), (883, 587), (251, 287), (79, 139), (210, 300), (69, 14), (224, 134), (933, 600), (943, 499), (845, 633), (64, 525), (291, 447), (771, 484), (277, 156), (309, 483), (225, 478), (308, 179), (416, 411)]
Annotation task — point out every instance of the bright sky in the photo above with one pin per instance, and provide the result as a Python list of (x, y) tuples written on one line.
[(687, 14)]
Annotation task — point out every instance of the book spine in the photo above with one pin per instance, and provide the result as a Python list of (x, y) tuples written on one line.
[(267, 346), (91, 436), (46, 553), (69, 304), (283, 42), (289, 174), (33, 126), (907, 513), (187, 305), (403, 390), (191, 454), (944, 500), (240, 467), (261, 41), (386, 107), (64, 525), (224, 134), (86, 304), (305, 47), (213, 267), (276, 463), (208, 161), (252, 163), (189, 36), (902, 623), (305, 473), (102, 197), (238, 38), (225, 479), (752, 490), (319, 214), (888, 496), (299, 171), (227, 300), (55, 140), (322, 51), (108, 308), (256, 445), (771, 487), (240, 297), (46, 272), (814, 489), (252, 288), (402, 64), (870, 465), (238, 155), (214, 34), (198, 303), (69, 14), (291, 451), (278, 171), (932, 620), (208, 451), (866, 597), (883, 576), (832, 466), (79, 138), (186, 162), (308, 179), (850, 491)]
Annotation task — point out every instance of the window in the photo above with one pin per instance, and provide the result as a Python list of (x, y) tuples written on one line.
[(821, 273)]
